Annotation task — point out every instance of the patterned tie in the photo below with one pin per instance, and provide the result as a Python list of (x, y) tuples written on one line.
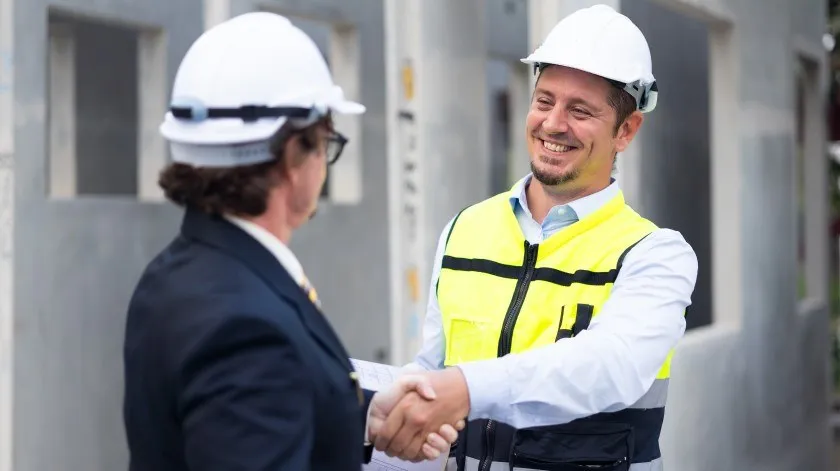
[(310, 291)]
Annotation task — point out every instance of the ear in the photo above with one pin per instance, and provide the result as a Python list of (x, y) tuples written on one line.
[(627, 131), (293, 155)]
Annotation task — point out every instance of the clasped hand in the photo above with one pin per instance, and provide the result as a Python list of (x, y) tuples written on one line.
[(419, 416)]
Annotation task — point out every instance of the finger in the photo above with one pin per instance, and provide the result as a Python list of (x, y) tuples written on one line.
[(430, 452), (418, 383), (414, 449), (460, 425), (407, 441), (447, 433), (438, 442), (387, 429)]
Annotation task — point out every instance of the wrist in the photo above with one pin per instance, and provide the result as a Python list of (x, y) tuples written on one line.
[(462, 398), (368, 425)]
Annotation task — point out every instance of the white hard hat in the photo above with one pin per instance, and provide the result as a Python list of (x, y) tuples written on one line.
[(239, 83), (603, 42)]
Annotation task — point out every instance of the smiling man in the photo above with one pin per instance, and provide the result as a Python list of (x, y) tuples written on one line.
[(555, 307)]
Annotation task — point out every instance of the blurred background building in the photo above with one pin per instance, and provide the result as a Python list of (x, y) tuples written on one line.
[(736, 157)]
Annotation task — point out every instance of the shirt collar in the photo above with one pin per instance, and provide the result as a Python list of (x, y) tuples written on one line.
[(277, 248), (582, 207)]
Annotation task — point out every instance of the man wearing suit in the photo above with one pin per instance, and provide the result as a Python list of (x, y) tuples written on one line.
[(229, 362)]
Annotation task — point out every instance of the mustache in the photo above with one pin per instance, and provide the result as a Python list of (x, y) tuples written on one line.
[(563, 138)]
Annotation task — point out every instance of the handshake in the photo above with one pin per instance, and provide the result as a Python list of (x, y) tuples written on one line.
[(418, 417)]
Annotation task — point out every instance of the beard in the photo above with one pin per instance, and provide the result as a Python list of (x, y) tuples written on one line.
[(553, 179)]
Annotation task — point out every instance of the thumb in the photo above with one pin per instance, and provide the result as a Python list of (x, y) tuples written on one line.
[(421, 384)]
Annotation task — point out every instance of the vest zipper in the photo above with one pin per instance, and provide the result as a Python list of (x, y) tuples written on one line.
[(506, 339)]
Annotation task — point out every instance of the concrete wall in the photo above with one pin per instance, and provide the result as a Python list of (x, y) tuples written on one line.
[(506, 32), (751, 391), (748, 392), (674, 170), (76, 260)]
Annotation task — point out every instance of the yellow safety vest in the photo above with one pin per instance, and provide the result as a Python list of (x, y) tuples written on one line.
[(498, 294)]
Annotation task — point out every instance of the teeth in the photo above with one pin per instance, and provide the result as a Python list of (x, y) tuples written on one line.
[(556, 147)]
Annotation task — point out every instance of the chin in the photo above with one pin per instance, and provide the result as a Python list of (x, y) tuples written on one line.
[(553, 175)]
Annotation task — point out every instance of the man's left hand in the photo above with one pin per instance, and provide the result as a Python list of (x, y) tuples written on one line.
[(414, 419)]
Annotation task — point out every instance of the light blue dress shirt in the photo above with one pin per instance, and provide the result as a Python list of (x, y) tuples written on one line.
[(605, 368)]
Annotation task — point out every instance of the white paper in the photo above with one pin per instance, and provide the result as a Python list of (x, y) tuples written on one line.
[(375, 377)]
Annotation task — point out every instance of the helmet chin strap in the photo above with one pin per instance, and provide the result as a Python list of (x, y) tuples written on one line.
[(644, 94)]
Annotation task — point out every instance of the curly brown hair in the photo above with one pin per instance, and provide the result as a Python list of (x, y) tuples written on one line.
[(241, 191)]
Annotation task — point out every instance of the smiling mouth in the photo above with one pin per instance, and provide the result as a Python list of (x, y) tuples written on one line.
[(559, 148)]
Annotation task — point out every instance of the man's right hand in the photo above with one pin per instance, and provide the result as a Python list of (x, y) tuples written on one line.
[(419, 387), (408, 428)]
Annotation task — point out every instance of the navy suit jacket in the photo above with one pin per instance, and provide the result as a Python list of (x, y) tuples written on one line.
[(230, 367)]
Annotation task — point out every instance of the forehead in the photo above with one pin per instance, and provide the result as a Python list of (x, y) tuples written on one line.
[(564, 82)]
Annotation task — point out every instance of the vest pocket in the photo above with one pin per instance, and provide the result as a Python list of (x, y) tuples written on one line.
[(470, 339), (573, 447)]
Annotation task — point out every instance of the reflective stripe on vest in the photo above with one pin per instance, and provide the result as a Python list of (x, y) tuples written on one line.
[(472, 465), (498, 294)]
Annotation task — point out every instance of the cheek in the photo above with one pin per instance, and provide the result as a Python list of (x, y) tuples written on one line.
[(589, 133), (532, 122)]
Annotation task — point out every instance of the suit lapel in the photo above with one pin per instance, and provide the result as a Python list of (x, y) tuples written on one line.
[(225, 236)]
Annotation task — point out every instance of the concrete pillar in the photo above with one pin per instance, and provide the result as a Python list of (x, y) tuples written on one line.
[(815, 169), (62, 96), (519, 88), (152, 101), (6, 215), (438, 153), (60, 364), (726, 176)]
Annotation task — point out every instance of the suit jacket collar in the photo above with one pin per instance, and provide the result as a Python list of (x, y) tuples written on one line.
[(223, 235)]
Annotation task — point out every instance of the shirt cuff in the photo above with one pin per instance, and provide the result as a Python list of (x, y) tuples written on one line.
[(488, 384), (367, 425)]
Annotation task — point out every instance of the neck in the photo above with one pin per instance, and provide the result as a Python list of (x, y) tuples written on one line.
[(276, 218), (541, 198), (274, 225)]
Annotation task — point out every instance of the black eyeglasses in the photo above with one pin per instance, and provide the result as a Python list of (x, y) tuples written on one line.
[(335, 145)]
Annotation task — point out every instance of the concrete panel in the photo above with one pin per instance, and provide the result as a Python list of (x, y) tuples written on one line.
[(106, 115), (808, 19), (758, 388), (7, 126), (76, 263), (674, 177), (704, 427), (506, 29), (725, 413)]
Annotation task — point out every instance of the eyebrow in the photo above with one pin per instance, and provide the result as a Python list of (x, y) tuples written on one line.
[(543, 92), (572, 101), (581, 101)]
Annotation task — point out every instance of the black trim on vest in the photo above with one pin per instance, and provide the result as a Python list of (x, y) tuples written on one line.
[(646, 425), (562, 333), (583, 277), (624, 254), (582, 318), (445, 244), (482, 266), (550, 275)]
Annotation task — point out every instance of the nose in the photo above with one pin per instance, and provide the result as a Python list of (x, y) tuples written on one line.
[(556, 122)]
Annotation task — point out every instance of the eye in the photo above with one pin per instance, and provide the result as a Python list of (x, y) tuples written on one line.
[(544, 103), (581, 112)]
